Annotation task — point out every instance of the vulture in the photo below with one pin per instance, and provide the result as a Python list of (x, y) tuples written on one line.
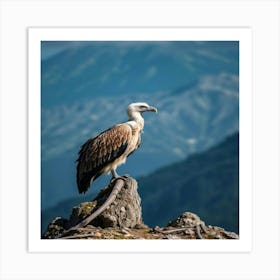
[(106, 151)]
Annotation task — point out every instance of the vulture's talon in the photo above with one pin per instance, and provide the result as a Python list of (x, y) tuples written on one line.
[(113, 180)]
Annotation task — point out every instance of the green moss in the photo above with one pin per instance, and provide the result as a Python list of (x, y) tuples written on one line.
[(87, 207)]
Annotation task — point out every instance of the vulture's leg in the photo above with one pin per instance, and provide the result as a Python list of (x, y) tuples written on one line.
[(115, 174)]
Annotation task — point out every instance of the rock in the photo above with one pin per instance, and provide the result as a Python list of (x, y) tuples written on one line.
[(186, 219), (141, 226), (57, 226), (126, 210), (98, 234), (81, 211)]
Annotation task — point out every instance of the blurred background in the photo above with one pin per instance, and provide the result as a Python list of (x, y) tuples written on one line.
[(189, 155)]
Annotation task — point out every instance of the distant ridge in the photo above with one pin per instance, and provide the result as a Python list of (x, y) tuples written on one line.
[(206, 183)]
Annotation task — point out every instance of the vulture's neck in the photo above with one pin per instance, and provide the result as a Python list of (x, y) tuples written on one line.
[(137, 117)]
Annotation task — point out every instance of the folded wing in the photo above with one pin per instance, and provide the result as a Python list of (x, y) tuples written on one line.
[(98, 154)]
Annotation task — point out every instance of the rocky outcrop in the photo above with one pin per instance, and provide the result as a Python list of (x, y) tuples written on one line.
[(124, 211), (122, 219)]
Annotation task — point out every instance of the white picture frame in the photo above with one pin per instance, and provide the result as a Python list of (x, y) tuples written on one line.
[(242, 35)]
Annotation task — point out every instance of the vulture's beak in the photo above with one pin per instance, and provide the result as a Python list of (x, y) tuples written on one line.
[(152, 109)]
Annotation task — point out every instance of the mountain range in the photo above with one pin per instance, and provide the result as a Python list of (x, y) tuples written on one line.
[(86, 87)]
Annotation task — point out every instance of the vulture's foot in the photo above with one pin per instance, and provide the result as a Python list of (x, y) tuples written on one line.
[(114, 179)]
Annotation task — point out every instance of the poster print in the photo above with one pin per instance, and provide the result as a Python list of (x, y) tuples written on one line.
[(187, 168)]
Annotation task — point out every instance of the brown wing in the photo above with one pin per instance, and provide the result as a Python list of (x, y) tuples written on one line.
[(99, 151)]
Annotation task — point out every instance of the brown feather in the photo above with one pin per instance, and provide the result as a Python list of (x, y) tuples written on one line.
[(98, 152)]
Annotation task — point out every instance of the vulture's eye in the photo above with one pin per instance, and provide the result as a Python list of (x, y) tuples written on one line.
[(143, 107)]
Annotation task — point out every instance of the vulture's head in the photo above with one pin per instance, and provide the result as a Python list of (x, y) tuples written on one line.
[(140, 107)]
